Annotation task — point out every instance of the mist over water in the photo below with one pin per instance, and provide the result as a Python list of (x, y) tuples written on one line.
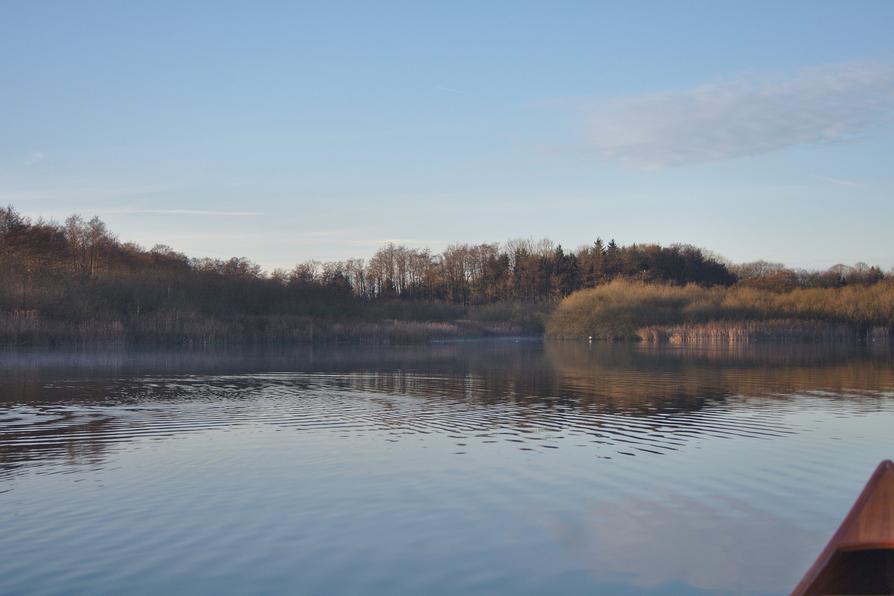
[(474, 467)]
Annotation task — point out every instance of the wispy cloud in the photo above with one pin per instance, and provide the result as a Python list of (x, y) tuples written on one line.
[(77, 193), (449, 89), (34, 157), (711, 122), (410, 242), (207, 212), (838, 181)]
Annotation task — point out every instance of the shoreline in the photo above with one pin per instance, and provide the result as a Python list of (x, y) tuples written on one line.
[(772, 331), (415, 333), (245, 330), (748, 332)]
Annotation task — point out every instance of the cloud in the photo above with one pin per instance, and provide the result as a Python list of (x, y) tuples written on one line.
[(712, 122), (838, 181), (209, 212), (409, 242), (35, 157), (77, 193)]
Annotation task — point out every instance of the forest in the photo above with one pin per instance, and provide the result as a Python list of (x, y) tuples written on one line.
[(75, 281)]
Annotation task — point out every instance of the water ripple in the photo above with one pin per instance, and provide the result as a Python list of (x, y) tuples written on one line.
[(530, 469), (400, 404)]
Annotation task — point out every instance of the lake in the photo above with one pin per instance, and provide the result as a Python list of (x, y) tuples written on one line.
[(494, 467)]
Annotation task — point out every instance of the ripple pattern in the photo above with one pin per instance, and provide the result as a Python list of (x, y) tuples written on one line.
[(395, 406), (581, 474)]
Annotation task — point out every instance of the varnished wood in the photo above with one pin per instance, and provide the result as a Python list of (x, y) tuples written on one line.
[(862, 549)]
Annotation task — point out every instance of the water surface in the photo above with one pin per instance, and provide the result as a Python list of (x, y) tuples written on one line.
[(475, 467)]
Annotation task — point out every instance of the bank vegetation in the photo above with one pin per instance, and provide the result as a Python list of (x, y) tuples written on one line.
[(742, 313), (76, 282)]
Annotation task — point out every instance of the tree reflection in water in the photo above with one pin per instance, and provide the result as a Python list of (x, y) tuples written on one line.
[(73, 407)]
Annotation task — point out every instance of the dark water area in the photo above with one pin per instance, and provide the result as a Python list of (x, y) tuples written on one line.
[(499, 467)]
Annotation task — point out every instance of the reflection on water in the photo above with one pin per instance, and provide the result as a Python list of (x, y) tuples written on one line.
[(490, 467)]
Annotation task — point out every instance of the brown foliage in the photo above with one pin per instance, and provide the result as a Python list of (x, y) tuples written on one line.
[(626, 310)]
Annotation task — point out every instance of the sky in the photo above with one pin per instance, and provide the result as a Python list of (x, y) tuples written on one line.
[(287, 131)]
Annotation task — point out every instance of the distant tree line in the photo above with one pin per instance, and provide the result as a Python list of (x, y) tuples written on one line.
[(78, 270), (779, 278), (522, 270)]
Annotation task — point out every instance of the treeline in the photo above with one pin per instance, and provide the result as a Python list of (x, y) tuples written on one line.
[(521, 270), (779, 278), (77, 279), (81, 265)]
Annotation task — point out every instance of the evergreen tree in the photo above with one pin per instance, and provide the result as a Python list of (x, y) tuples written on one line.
[(612, 260)]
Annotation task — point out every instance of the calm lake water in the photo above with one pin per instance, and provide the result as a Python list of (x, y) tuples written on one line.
[(466, 468)]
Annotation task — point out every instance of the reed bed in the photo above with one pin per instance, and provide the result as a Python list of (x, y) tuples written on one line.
[(27, 328), (624, 310)]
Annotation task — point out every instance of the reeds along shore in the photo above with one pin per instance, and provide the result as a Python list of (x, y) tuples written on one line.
[(776, 331), (739, 314), (28, 329)]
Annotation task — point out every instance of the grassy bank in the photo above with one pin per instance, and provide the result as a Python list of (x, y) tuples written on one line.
[(738, 314), (382, 324)]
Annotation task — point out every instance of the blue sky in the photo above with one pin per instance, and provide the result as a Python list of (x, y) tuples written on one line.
[(293, 131)]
